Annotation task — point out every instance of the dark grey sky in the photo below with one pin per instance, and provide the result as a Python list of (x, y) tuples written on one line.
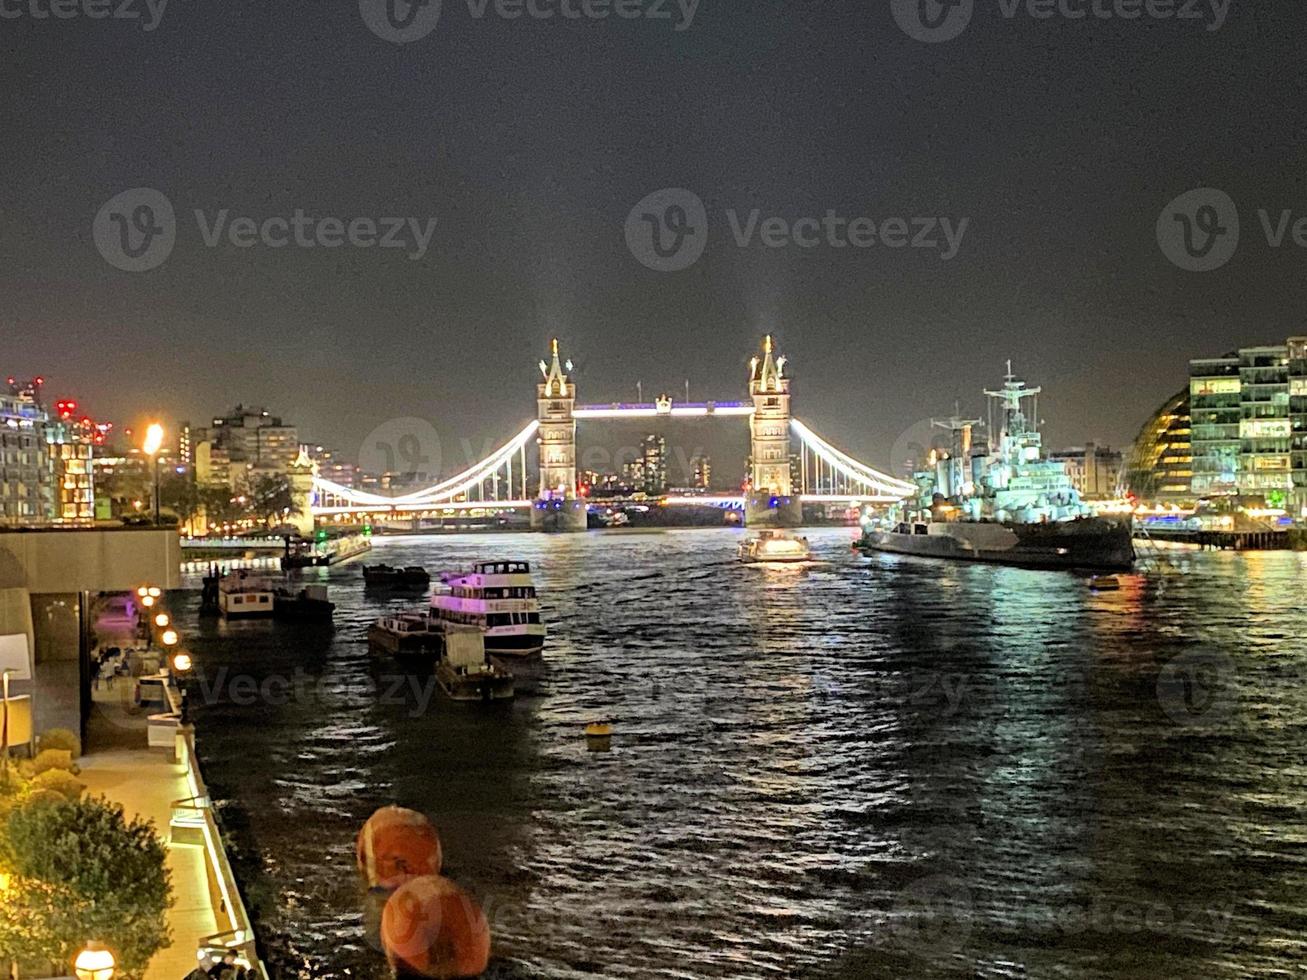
[(530, 141)]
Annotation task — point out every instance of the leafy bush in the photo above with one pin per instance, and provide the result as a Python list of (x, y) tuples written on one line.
[(82, 869), (60, 738), (60, 781), (48, 759)]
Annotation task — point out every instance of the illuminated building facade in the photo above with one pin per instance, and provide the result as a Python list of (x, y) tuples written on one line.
[(557, 505), (771, 499), (1159, 465), (1249, 414), (1094, 470), (46, 473)]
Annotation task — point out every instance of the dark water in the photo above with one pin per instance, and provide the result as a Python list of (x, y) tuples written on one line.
[(863, 768)]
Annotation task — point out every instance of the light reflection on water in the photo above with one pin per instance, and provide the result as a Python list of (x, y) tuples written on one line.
[(858, 768)]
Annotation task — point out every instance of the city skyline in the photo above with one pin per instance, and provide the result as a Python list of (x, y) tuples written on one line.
[(1059, 266)]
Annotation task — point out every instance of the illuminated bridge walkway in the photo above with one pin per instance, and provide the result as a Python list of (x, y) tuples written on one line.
[(500, 482)]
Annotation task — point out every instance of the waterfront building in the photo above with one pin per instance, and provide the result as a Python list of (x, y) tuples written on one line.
[(1159, 465), (1094, 470), (46, 472), (653, 464), (1249, 413), (242, 445)]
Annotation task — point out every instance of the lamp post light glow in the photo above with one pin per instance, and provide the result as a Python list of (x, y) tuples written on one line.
[(181, 662), (147, 601), (161, 620), (168, 638), (94, 963), (153, 443)]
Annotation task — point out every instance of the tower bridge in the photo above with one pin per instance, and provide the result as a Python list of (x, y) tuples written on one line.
[(778, 485)]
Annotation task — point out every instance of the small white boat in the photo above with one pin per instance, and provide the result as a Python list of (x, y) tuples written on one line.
[(464, 672), (497, 597), (774, 546)]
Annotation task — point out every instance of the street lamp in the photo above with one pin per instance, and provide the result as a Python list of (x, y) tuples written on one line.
[(153, 443), (94, 963), (161, 620), (168, 638)]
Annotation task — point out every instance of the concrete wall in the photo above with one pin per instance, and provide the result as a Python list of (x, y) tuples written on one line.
[(85, 560)]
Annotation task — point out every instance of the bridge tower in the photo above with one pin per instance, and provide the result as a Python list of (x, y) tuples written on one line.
[(771, 501), (557, 507), (300, 475)]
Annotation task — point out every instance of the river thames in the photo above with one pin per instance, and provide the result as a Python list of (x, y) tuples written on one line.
[(863, 767)]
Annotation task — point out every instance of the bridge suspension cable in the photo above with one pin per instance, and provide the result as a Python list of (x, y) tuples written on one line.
[(854, 472), (445, 491)]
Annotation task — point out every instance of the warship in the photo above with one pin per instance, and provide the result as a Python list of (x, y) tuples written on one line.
[(1004, 502)]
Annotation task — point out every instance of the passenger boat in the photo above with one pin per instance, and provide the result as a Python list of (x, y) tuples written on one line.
[(245, 596), (302, 553), (387, 576), (1004, 503), (497, 597), (464, 672), (406, 634), (778, 546)]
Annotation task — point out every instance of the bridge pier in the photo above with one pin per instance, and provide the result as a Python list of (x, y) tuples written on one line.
[(771, 501), (557, 506)]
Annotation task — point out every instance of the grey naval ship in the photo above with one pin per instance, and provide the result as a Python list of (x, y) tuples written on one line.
[(1004, 503)]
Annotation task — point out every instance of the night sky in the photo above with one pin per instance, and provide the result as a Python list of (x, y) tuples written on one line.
[(529, 141)]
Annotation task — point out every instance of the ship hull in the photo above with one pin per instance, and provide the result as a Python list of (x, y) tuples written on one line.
[(1093, 543)]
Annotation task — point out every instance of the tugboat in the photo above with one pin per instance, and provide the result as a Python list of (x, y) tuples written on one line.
[(464, 672), (404, 635), (1006, 504), (389, 577), (497, 597), (774, 546)]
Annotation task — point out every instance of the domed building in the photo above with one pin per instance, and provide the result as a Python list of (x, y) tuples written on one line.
[(1159, 466)]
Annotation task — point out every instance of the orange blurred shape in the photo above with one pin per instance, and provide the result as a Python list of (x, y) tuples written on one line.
[(432, 928), (397, 844)]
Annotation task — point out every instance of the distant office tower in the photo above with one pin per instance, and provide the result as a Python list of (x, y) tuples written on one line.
[(653, 460), (701, 472)]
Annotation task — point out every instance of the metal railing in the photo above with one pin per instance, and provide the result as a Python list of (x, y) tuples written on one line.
[(193, 822)]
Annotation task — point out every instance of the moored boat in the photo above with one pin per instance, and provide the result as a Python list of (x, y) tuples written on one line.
[(1005, 504), (305, 603), (464, 672), (405, 634), (498, 598), (388, 576), (245, 596)]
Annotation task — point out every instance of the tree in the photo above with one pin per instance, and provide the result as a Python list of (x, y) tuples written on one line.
[(179, 494), (220, 506), (271, 498), (81, 870)]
